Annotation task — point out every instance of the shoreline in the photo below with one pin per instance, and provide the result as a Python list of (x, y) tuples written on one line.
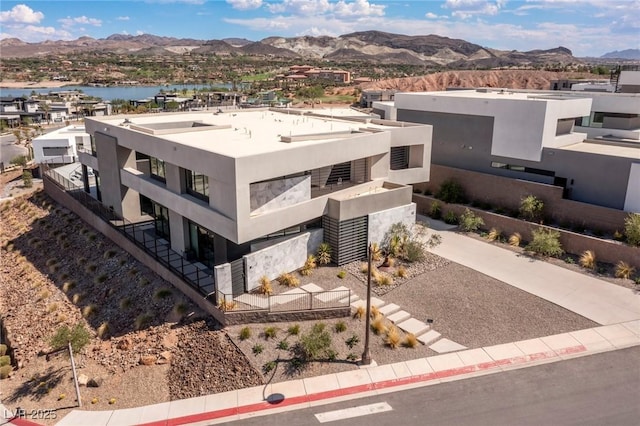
[(37, 84)]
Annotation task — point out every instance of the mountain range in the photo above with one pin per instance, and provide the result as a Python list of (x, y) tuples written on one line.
[(365, 46), (622, 54)]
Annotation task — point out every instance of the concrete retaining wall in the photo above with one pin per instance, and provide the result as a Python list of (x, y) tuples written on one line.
[(234, 318), (606, 250), (381, 222)]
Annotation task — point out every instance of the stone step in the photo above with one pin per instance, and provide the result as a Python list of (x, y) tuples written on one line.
[(312, 288), (429, 337), (389, 309), (414, 326), (399, 316), (446, 345), (351, 299), (374, 302)]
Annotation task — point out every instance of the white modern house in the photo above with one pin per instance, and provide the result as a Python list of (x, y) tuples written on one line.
[(263, 187), (61, 145), (586, 143)]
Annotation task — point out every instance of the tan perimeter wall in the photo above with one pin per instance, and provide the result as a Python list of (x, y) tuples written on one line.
[(507, 193), (606, 250)]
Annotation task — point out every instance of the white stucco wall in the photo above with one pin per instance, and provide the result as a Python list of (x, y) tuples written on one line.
[(276, 194), (632, 200)]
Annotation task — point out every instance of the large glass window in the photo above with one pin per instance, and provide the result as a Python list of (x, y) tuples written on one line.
[(197, 184), (158, 169), (201, 244), (161, 219)]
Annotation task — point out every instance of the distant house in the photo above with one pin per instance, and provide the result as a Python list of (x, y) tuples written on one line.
[(61, 146), (368, 97)]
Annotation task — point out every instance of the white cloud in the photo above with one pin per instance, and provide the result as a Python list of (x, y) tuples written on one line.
[(465, 9), (344, 9), (34, 33), (69, 22), (358, 8), (245, 4), (21, 13), (139, 32), (122, 18), (431, 15)]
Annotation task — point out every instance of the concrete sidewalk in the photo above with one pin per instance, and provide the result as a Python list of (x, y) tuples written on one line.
[(374, 380), (595, 299)]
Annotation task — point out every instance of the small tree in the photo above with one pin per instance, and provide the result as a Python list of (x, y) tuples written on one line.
[(27, 179), (545, 242), (20, 160), (324, 254), (316, 343), (531, 208), (469, 222), (632, 228), (78, 336)]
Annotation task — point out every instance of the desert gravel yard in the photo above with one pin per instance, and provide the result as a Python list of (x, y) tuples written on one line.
[(468, 307)]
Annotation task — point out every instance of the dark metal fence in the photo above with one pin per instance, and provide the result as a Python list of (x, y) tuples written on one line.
[(143, 235)]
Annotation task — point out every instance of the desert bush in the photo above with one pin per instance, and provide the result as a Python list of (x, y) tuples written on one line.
[(569, 260), (451, 192), (342, 273), (91, 267), (624, 270), (515, 239), (5, 371), (44, 294), (51, 262), (270, 332), (77, 298), (324, 254), (531, 208), (268, 367), (162, 293), (410, 341), (393, 338), (379, 325), (5, 360), (384, 279), (316, 342), (364, 268), (78, 336), (435, 210), (52, 307), (227, 305), (376, 252), (632, 229), (288, 279), (3, 349), (469, 222), (309, 265), (283, 345), (100, 278), (374, 312), (588, 259), (245, 333), (27, 179), (339, 327), (545, 242), (293, 330), (142, 321), (360, 312), (180, 308), (257, 349), (450, 218), (414, 251), (265, 285), (143, 281), (352, 341), (102, 330), (494, 234), (401, 272), (109, 254), (125, 303), (89, 310)]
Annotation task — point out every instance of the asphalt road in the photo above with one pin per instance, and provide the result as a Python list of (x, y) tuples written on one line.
[(9, 150), (599, 390)]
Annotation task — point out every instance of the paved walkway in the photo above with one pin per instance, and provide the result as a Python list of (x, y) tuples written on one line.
[(595, 299), (369, 381)]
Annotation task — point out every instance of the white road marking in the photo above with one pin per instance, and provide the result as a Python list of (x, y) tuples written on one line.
[(348, 413)]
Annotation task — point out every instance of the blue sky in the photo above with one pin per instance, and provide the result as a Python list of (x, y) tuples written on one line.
[(587, 27)]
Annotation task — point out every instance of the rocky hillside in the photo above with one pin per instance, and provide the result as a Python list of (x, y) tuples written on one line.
[(365, 46), (508, 79)]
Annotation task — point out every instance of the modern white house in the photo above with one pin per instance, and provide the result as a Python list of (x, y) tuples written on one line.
[(61, 145), (263, 187), (586, 143)]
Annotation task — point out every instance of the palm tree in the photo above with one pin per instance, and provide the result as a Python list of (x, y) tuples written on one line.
[(46, 108)]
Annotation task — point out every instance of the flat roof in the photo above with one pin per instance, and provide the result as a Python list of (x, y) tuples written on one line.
[(495, 94), (73, 130), (610, 149), (240, 133)]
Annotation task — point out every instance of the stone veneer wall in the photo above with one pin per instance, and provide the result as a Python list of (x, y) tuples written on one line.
[(285, 256), (380, 222), (222, 277), (276, 194)]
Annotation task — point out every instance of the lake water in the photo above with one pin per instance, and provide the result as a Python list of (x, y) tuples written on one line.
[(116, 92)]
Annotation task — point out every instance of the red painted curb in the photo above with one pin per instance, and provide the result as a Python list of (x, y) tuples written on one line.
[(385, 384)]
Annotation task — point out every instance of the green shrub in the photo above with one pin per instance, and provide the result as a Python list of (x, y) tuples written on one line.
[(268, 367), (632, 229), (27, 179), (352, 341), (283, 345), (3, 349), (316, 343), (78, 336), (469, 222), (414, 251), (435, 210), (531, 208), (5, 360), (451, 192), (340, 327), (270, 332), (324, 254), (450, 218), (294, 330), (257, 349), (342, 273), (100, 278), (545, 242), (245, 333), (352, 357), (163, 293)]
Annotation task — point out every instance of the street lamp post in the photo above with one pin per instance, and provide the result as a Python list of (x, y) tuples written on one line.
[(366, 354)]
